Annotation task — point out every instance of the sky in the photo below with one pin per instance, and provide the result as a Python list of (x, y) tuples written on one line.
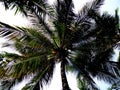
[(9, 17), (20, 20)]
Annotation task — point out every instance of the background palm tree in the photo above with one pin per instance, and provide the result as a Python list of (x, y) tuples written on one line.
[(82, 42)]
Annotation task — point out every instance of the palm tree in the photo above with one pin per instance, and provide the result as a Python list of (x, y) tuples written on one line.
[(115, 86), (82, 42)]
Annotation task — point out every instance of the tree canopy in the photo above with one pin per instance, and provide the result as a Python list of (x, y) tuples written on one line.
[(83, 42)]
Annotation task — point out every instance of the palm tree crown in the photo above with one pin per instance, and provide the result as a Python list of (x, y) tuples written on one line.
[(82, 42)]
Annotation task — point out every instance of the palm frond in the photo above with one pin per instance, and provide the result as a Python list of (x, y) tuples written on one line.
[(42, 24), (6, 85), (85, 24), (42, 77), (103, 65), (33, 43), (88, 9), (9, 32), (28, 62), (64, 9), (25, 5), (35, 51), (25, 66), (62, 24), (115, 86), (83, 77), (96, 63), (82, 85), (107, 77), (32, 36)]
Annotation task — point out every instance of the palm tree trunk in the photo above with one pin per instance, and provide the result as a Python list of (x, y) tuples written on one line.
[(65, 85)]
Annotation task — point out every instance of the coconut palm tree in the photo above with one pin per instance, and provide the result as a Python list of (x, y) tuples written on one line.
[(81, 42)]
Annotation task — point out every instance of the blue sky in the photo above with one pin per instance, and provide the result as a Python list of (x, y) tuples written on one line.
[(110, 6)]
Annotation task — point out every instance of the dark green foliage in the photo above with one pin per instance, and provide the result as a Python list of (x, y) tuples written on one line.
[(24, 5)]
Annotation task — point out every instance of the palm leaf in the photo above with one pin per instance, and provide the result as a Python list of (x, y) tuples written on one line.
[(116, 86), (23, 6), (43, 76), (6, 85)]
